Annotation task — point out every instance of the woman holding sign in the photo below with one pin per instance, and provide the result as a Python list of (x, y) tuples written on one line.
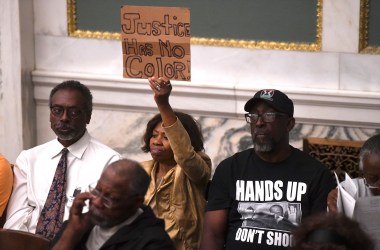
[(179, 170)]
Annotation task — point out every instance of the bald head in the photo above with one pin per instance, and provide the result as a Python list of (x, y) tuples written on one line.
[(119, 193), (130, 174), (371, 146)]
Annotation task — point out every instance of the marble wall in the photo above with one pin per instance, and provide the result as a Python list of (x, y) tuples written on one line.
[(335, 91), (1, 88), (223, 137), (1, 62)]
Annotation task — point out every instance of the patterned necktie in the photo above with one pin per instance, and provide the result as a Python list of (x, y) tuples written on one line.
[(51, 217)]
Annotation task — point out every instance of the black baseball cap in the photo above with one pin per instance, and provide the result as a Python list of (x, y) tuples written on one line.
[(275, 98)]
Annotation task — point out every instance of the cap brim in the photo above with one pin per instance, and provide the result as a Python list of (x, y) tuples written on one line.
[(248, 106)]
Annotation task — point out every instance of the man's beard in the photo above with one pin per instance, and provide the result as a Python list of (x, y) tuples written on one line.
[(66, 136), (264, 146), (99, 219)]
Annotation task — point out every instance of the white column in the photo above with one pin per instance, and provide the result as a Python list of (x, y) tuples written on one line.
[(340, 26), (17, 109)]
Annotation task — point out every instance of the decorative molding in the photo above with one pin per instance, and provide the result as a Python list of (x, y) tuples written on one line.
[(363, 30), (322, 107), (274, 45), (260, 44), (363, 25)]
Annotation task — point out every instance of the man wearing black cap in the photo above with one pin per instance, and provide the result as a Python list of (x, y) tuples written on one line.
[(272, 173)]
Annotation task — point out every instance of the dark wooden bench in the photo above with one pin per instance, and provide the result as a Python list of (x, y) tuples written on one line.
[(14, 239)]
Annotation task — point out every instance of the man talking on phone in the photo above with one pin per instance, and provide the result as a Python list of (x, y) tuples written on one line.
[(116, 217)]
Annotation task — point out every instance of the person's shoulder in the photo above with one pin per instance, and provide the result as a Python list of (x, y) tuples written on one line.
[(147, 165), (306, 159), (99, 146), (47, 144), (149, 220), (153, 229), (41, 148), (307, 165), (356, 181), (4, 161), (148, 224), (5, 170), (206, 158), (203, 155), (247, 153), (236, 160)]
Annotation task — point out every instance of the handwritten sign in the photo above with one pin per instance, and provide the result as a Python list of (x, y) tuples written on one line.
[(156, 42)]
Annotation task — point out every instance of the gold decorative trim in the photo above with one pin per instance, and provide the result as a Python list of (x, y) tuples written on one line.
[(71, 17), (256, 44), (371, 50), (96, 35), (363, 30), (74, 32), (363, 25)]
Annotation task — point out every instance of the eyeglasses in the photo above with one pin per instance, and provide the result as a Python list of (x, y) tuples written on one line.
[(58, 111), (108, 202), (267, 117), (372, 186)]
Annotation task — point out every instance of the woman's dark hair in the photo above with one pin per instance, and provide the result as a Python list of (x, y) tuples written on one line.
[(328, 231), (191, 126)]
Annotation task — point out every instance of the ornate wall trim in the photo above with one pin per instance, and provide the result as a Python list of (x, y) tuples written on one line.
[(364, 29), (274, 45), (317, 107)]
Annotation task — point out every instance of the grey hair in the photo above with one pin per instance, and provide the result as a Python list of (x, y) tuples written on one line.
[(371, 146), (135, 176)]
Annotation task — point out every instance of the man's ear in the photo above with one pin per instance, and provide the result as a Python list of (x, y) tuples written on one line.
[(291, 123)]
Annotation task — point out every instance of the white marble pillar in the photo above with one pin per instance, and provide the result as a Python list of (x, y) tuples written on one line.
[(17, 109), (340, 26)]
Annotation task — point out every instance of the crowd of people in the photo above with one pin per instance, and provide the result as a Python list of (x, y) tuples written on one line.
[(81, 194)]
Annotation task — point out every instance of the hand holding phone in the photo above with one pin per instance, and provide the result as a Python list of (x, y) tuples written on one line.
[(79, 217)]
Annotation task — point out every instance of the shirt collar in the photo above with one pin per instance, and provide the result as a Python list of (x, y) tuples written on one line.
[(77, 149)]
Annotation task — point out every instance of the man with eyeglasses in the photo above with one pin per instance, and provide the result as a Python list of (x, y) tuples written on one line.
[(367, 189), (369, 163), (253, 181), (70, 111), (115, 217)]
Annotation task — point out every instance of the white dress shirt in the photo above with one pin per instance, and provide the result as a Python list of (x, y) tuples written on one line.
[(34, 172)]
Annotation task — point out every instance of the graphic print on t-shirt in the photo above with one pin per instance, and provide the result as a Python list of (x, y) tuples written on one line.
[(269, 211), (281, 216)]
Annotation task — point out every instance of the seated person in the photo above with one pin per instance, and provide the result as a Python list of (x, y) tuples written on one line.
[(179, 170), (48, 176), (369, 163), (271, 173), (6, 182), (328, 231), (116, 218)]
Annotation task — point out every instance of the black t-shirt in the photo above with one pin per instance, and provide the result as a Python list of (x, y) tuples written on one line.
[(266, 201)]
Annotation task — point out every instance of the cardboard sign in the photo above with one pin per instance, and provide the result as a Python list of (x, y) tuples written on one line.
[(156, 42)]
